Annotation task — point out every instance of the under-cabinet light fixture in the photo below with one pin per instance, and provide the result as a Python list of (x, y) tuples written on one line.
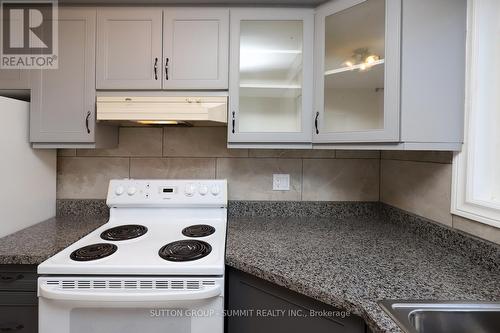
[(160, 122)]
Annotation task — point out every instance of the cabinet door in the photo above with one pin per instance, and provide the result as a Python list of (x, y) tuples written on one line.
[(14, 79), (195, 48), (247, 294), (18, 278), (63, 99), (18, 312), (270, 83), (357, 73), (129, 48)]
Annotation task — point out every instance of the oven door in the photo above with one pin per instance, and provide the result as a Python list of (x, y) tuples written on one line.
[(130, 305)]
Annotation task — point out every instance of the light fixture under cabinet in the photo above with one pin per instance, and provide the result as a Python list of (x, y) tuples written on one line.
[(160, 122), (162, 110)]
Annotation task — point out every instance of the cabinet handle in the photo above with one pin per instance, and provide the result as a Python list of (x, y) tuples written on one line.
[(233, 120), (11, 278), (156, 68), (11, 327), (87, 122), (166, 68), (316, 122)]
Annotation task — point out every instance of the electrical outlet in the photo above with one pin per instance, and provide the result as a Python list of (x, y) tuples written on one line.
[(281, 182)]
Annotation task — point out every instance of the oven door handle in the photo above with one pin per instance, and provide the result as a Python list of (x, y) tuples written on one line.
[(128, 295)]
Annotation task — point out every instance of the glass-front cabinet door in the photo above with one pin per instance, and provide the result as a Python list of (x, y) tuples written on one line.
[(357, 71), (271, 75)]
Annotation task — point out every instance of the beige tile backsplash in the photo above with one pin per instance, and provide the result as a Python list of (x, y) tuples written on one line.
[(357, 154), (134, 142), (251, 178), (477, 229), (88, 177), (198, 142), (418, 187), (172, 168), (418, 182), (200, 152), (340, 180)]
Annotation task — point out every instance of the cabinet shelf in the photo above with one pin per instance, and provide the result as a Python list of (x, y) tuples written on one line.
[(279, 62), (372, 78), (270, 90), (270, 51), (351, 68)]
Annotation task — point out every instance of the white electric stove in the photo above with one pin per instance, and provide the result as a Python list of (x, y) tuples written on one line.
[(157, 265)]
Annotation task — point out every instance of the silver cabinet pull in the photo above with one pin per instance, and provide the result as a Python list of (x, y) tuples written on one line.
[(156, 68), (316, 122), (166, 68), (87, 122)]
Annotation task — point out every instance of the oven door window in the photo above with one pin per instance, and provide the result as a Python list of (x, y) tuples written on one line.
[(129, 320)]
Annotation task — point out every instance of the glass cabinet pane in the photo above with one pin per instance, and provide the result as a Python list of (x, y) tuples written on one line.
[(354, 68), (270, 90)]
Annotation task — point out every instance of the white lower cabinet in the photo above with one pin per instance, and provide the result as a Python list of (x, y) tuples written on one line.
[(63, 99), (271, 76)]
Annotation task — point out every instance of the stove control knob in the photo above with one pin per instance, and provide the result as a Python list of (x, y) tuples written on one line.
[(189, 190), (131, 190), (215, 190), (119, 190), (203, 190)]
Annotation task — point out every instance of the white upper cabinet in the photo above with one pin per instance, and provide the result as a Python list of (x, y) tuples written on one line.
[(195, 48), (63, 99), (390, 72), (155, 48), (357, 71), (386, 74), (129, 48), (271, 73)]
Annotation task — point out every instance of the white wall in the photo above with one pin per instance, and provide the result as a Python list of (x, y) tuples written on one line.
[(27, 176)]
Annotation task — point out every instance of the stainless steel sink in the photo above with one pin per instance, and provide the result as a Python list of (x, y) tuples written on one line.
[(444, 316)]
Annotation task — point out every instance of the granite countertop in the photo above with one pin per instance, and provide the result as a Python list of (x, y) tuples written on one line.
[(40, 241), (344, 255), (354, 262)]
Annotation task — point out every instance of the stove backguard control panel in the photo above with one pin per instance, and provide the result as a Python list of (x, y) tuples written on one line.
[(167, 193)]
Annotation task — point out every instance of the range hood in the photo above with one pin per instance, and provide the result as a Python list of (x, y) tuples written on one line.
[(151, 110)]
